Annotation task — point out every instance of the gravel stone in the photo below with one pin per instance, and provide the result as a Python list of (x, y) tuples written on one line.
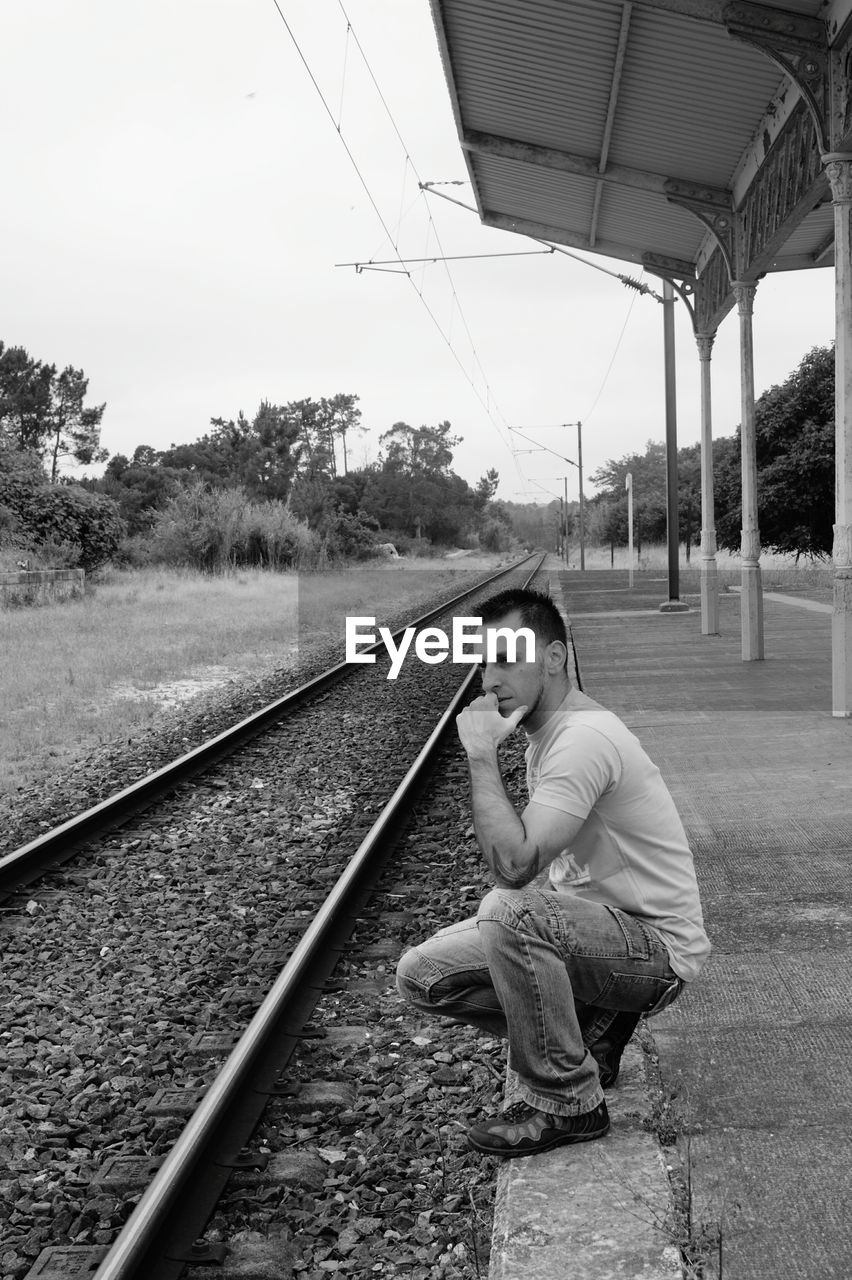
[(115, 961)]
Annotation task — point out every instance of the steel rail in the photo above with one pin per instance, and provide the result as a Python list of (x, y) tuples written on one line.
[(156, 1242), (21, 866)]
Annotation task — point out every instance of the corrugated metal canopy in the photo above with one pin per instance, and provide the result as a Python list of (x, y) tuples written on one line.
[(575, 115)]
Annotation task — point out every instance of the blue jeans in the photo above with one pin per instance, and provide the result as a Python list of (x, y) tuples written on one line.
[(548, 971)]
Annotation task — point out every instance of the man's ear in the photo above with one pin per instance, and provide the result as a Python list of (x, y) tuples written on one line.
[(556, 657)]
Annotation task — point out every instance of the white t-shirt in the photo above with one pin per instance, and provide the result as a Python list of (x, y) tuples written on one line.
[(632, 851)]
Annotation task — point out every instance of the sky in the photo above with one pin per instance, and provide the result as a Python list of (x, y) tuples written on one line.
[(180, 181)]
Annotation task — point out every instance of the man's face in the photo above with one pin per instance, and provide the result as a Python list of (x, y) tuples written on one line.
[(518, 683)]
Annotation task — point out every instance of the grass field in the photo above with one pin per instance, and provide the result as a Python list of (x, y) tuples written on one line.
[(100, 668)]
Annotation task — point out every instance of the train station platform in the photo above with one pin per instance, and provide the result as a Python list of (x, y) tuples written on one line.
[(732, 1119)]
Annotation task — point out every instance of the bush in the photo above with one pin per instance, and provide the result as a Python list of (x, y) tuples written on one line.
[(495, 535), (272, 536), (351, 537), (10, 525), (406, 545), (52, 519), (134, 552), (213, 530)]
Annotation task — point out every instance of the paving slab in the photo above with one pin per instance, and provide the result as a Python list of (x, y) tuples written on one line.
[(781, 1197), (755, 1065)]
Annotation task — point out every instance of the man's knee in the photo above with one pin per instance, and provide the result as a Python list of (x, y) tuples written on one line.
[(503, 906), (409, 977)]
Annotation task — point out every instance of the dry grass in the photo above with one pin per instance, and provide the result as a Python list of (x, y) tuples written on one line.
[(101, 668)]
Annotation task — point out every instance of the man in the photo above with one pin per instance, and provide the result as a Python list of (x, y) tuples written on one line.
[(595, 918)]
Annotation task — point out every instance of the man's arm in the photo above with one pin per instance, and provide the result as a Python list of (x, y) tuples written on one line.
[(516, 847)]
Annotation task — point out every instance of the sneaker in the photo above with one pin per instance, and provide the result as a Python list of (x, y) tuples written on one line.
[(608, 1050), (522, 1130)]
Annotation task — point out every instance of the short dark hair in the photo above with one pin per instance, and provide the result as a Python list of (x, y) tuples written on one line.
[(537, 610)]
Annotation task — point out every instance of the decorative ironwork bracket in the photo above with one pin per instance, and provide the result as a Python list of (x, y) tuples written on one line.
[(660, 264), (798, 45), (707, 297), (714, 208), (682, 281)]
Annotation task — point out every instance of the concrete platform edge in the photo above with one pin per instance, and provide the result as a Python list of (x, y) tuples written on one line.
[(601, 1210)]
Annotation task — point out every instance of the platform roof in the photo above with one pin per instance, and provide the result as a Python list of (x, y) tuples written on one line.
[(595, 123)]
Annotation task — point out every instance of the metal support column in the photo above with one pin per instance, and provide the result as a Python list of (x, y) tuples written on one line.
[(709, 570), (751, 601), (838, 168), (674, 604)]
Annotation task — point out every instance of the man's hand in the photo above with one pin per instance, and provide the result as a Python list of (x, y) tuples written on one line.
[(481, 727)]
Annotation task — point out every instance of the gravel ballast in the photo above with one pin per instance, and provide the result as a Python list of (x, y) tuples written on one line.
[(114, 963)]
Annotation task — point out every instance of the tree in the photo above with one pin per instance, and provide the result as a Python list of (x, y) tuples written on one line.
[(342, 417), (24, 399), (261, 455), (414, 490), (312, 500), (141, 487), (44, 412), (419, 450), (794, 427), (608, 508), (495, 529), (486, 488), (75, 430), (318, 425), (269, 463), (532, 524)]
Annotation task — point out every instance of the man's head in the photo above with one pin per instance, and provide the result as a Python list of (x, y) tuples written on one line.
[(539, 681)]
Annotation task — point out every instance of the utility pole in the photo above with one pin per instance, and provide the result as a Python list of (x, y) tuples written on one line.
[(582, 515), (628, 484), (565, 523), (578, 464)]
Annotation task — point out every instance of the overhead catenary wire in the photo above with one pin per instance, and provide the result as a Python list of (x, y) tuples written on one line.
[(638, 287), (630, 281), (398, 265), (543, 447), (443, 257), (452, 257), (489, 398), (343, 79), (612, 361)]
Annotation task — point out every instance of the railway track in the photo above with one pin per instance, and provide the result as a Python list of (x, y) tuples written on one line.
[(160, 1238), (26, 863)]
